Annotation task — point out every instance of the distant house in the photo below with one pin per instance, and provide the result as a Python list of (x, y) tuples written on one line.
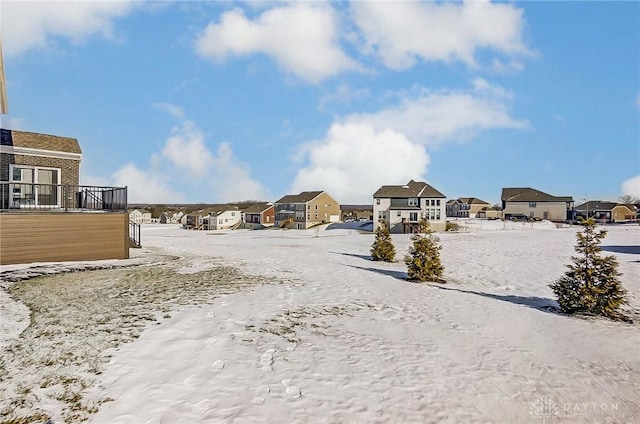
[(222, 218), (45, 215), (465, 207), (404, 206), (356, 212), (490, 212), (526, 202), (259, 215), (169, 217), (301, 211), (140, 216), (606, 211)]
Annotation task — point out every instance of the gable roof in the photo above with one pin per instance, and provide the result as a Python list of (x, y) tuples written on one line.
[(596, 205), (31, 140), (258, 207), (411, 189), (304, 197), (528, 194), (472, 201)]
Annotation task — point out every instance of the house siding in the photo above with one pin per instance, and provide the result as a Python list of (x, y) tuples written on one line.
[(59, 237), (556, 211), (326, 208)]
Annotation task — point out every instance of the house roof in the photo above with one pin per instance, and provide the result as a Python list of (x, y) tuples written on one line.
[(356, 208), (304, 197), (473, 201), (596, 205), (528, 194), (258, 207), (409, 190), (39, 141)]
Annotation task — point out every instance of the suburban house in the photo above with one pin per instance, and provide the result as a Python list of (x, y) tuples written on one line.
[(301, 211), (606, 211), (529, 203), (140, 216), (490, 212), (169, 217), (466, 207), (259, 215), (404, 206), (39, 189), (356, 212), (222, 218)]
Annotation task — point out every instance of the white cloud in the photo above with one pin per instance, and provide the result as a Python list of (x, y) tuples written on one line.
[(209, 177), (402, 32), (186, 149), (27, 25), (434, 117), (301, 37), (147, 186), (361, 152), (343, 94), (631, 187), (354, 160)]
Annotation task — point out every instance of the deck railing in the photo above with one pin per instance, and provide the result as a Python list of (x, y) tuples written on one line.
[(28, 197)]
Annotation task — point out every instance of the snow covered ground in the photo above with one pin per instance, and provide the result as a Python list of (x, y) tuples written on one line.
[(311, 330)]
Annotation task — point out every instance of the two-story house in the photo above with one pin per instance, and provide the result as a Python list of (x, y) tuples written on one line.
[(45, 215), (304, 210), (606, 211), (404, 206), (259, 215), (466, 207), (140, 216), (221, 218), (526, 202)]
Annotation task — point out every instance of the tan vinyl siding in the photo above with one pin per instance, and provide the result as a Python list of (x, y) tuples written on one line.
[(58, 237)]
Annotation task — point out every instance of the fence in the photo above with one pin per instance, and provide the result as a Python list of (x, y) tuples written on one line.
[(25, 197)]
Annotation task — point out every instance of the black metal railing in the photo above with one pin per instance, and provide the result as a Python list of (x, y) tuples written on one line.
[(25, 197), (134, 234)]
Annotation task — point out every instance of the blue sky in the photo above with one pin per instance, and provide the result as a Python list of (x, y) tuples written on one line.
[(229, 101)]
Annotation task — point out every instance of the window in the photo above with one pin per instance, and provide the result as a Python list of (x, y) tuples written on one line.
[(380, 215), (399, 213), (35, 186), (413, 201), (532, 204), (413, 216), (316, 207), (437, 202), (377, 201), (233, 214)]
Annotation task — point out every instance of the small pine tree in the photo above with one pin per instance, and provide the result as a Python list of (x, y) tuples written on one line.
[(382, 248), (591, 285), (423, 259)]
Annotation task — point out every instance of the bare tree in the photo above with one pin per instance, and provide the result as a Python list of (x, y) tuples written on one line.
[(627, 199)]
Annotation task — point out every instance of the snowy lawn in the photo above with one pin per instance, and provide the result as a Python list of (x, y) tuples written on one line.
[(198, 337)]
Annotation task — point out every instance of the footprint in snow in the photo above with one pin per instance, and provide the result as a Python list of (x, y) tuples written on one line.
[(192, 381), (202, 407), (261, 395), (218, 365), (290, 389), (266, 360)]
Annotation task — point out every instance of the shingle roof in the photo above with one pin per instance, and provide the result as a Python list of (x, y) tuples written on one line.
[(596, 205), (258, 207), (528, 194), (304, 197), (409, 190), (472, 201), (41, 141)]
